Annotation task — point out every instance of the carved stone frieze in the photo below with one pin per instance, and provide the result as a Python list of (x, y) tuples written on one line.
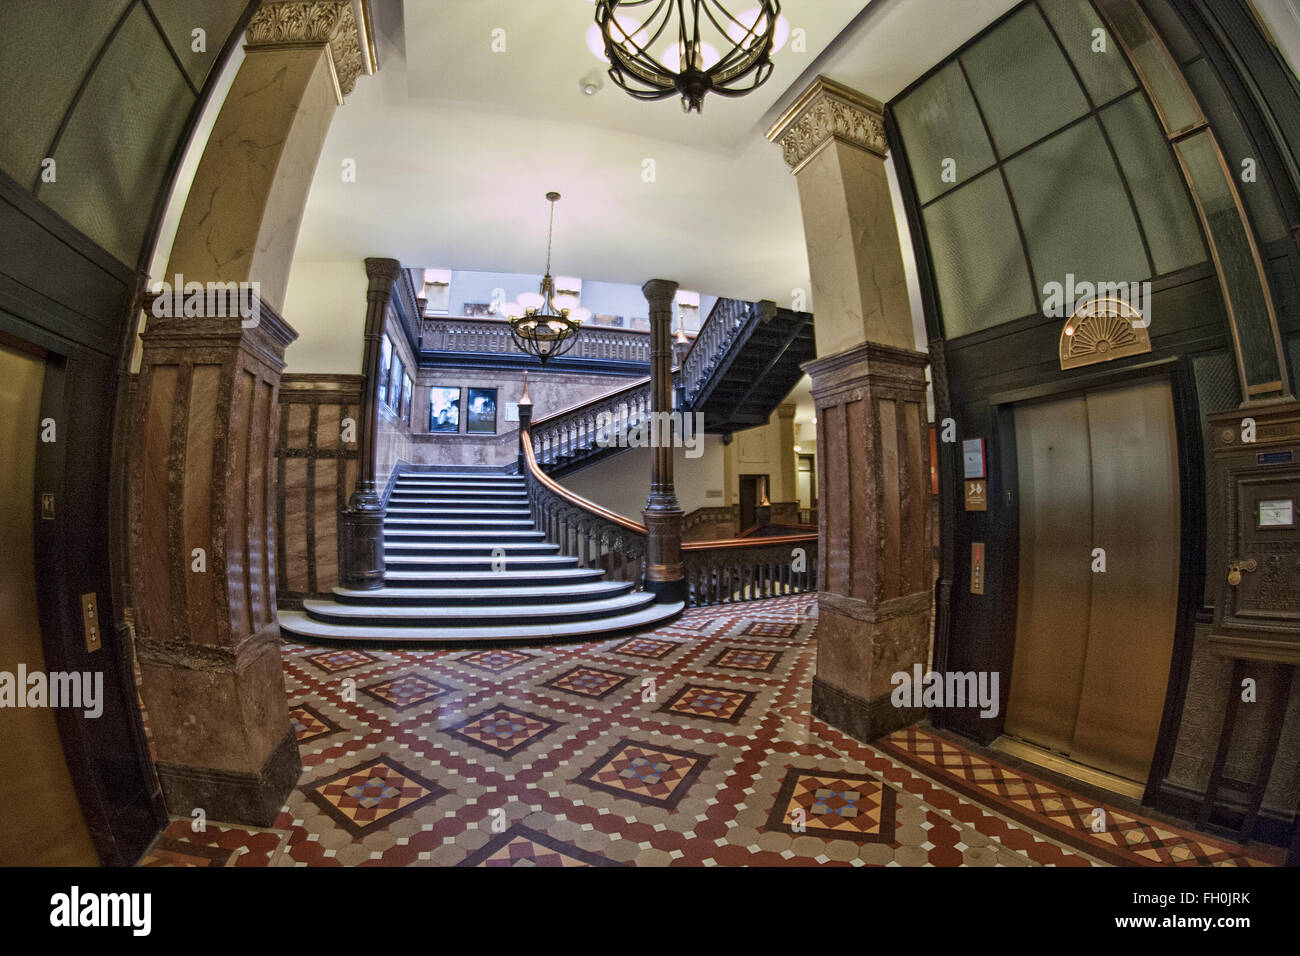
[(828, 111)]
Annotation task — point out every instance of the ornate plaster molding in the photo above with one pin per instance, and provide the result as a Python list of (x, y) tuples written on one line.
[(349, 42), (829, 111)]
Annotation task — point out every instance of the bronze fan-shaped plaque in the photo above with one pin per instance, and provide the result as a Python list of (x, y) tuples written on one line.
[(1101, 330)]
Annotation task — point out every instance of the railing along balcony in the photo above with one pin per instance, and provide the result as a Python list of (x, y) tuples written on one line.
[(728, 319), (570, 434), (716, 572), (492, 337)]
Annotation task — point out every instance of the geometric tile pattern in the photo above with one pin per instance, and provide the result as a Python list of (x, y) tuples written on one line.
[(372, 794), (309, 723), (406, 691), (647, 647), (334, 661), (503, 730), (711, 703), (588, 682), (531, 762), (1126, 838), (646, 773), (524, 846), (844, 806), (747, 659), (496, 660)]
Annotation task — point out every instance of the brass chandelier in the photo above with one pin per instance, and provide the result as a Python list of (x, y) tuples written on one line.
[(543, 323), (702, 47)]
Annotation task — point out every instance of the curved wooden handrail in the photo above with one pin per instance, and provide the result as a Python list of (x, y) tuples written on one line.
[(530, 461), (726, 543)]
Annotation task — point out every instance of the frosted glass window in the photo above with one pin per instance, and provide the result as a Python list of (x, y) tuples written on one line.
[(1074, 212), (47, 49), (1171, 96), (1022, 82), (976, 255), (116, 150), (1098, 58), (1168, 218), (938, 122)]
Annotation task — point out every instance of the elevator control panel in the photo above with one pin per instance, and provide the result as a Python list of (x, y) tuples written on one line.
[(1256, 475)]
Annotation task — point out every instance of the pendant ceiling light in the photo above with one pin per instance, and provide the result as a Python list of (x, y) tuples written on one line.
[(657, 48), (542, 323)]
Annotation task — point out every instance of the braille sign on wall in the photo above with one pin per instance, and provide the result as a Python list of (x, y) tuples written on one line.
[(977, 495), (977, 567)]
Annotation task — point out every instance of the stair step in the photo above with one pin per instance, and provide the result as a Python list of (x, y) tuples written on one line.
[(504, 535), (471, 548), (416, 615), (469, 592), (485, 562), (438, 524), (297, 625), (487, 577), (458, 500)]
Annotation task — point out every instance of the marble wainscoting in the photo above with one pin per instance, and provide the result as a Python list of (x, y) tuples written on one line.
[(318, 470)]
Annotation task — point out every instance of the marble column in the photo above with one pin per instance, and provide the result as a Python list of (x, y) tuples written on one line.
[(868, 385), (789, 489), (202, 500), (245, 207), (202, 481), (662, 514)]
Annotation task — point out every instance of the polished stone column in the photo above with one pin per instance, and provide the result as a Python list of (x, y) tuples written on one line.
[(202, 500), (245, 207), (868, 384), (361, 523), (202, 482), (785, 430), (663, 515)]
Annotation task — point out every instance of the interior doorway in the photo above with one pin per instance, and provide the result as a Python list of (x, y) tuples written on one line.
[(1098, 580), (43, 823), (753, 492), (806, 480)]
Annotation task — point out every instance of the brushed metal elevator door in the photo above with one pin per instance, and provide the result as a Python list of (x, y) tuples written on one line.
[(41, 823), (1092, 654)]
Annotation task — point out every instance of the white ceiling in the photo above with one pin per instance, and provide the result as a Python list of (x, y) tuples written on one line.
[(455, 146)]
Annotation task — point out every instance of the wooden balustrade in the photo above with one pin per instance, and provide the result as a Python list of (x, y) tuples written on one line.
[(716, 336), (492, 336), (717, 572)]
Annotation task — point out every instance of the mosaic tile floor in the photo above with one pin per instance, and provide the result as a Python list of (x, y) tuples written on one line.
[(688, 746)]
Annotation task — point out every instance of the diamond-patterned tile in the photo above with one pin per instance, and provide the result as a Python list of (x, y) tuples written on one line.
[(524, 846), (496, 660), (711, 703), (373, 795), (407, 691), (503, 730), (839, 805), (647, 773), (590, 682)]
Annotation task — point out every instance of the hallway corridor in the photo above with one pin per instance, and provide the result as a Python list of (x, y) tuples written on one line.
[(416, 768)]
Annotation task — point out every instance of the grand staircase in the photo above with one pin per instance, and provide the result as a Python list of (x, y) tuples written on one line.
[(466, 565)]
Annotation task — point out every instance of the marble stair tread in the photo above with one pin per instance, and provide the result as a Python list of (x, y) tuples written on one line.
[(487, 547), (486, 560), (465, 590), (478, 613), (470, 524), (503, 577), (507, 534), (298, 624)]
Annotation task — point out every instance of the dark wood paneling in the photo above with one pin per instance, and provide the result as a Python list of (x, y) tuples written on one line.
[(317, 473)]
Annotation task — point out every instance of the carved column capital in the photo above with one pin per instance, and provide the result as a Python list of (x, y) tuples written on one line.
[(826, 112), (349, 45)]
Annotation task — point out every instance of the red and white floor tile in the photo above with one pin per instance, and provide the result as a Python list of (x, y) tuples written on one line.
[(688, 746)]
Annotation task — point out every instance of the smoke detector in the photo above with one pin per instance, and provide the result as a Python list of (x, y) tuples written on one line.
[(592, 83)]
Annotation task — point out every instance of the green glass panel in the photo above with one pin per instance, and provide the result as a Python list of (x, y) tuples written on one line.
[(44, 55), (117, 148), (978, 262), (1074, 212), (1237, 147), (1160, 75), (1022, 82), (1240, 276), (1097, 57), (1172, 30), (938, 122), (1168, 218), (179, 20)]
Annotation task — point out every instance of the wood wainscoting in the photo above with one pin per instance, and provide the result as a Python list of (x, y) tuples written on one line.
[(318, 470)]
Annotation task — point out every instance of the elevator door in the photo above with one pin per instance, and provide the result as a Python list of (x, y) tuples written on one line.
[(1097, 471), (41, 823)]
